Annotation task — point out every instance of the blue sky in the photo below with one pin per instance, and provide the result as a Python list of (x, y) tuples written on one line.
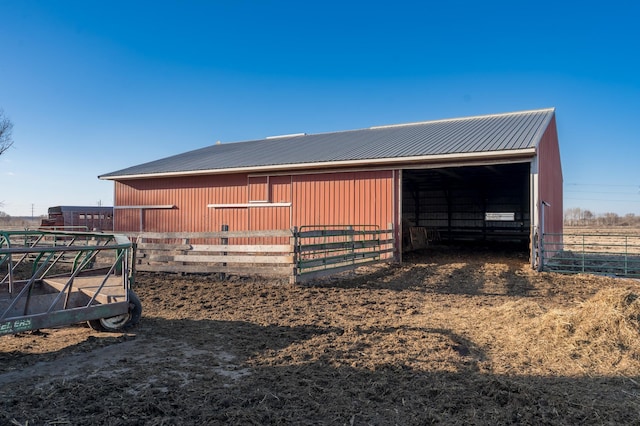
[(97, 86)]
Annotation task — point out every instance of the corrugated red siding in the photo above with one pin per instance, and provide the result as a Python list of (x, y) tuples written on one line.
[(550, 179), (349, 198), (189, 195), (258, 188), (280, 189), (344, 198)]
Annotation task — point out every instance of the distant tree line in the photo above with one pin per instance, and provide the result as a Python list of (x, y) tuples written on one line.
[(583, 217)]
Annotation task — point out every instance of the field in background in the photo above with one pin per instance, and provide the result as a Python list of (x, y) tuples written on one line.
[(621, 230), (599, 250), (614, 240), (19, 223)]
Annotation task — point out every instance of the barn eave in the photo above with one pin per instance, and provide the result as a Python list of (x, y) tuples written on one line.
[(444, 159)]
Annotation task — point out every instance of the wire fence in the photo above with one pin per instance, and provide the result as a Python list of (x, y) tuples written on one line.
[(593, 253)]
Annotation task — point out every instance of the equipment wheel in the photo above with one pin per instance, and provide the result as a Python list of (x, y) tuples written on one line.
[(135, 310), (120, 322)]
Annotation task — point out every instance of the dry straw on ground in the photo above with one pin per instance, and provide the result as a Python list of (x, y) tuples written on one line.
[(600, 336), (447, 338)]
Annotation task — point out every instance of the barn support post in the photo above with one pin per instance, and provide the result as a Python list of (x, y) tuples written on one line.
[(543, 204), (397, 212), (415, 194), (484, 202), (447, 194), (534, 215)]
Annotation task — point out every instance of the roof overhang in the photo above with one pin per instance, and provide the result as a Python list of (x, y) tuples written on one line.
[(456, 158)]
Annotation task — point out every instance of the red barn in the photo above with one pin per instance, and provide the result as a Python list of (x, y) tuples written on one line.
[(483, 178)]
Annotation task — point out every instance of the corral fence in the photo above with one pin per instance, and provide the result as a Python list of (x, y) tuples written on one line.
[(323, 250), (297, 254), (225, 252), (593, 253)]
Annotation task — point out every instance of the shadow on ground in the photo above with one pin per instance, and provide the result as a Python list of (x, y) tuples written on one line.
[(234, 372)]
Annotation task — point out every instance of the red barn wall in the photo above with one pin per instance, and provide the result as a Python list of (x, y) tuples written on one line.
[(189, 195), (550, 179), (247, 202), (348, 198)]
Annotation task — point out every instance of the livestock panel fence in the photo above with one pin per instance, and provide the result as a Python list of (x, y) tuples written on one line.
[(324, 250), (593, 253), (298, 254)]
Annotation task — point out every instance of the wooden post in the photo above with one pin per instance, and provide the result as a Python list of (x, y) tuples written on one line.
[(185, 241), (224, 241)]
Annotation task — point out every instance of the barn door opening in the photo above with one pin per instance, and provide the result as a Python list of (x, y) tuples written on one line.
[(488, 205)]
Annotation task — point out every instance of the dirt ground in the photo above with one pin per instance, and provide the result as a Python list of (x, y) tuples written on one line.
[(449, 337)]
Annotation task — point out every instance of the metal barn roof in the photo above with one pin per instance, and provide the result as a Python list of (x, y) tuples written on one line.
[(482, 136)]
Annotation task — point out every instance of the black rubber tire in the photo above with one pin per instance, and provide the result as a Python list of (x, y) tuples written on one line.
[(95, 325), (135, 310), (120, 323), (111, 324)]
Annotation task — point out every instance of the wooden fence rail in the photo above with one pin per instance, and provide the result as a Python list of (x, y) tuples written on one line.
[(295, 254), (205, 252)]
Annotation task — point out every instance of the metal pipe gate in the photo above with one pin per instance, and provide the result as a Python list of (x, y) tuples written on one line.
[(327, 249), (592, 253)]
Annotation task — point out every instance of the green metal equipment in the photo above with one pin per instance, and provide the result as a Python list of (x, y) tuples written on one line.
[(597, 253), (50, 279)]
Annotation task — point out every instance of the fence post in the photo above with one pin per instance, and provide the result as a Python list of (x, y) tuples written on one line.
[(626, 251), (185, 241), (224, 241), (351, 239), (294, 242), (582, 253), (541, 253)]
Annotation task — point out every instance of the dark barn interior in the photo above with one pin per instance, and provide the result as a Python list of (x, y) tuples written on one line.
[(471, 204)]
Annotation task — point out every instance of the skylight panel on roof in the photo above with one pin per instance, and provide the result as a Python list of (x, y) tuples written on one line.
[(291, 135)]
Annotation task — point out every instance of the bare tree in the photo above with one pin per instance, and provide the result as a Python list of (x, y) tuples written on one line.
[(573, 216), (611, 218), (6, 127), (587, 217)]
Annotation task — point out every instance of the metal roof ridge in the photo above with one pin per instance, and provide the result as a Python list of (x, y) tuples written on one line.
[(387, 126), (472, 117)]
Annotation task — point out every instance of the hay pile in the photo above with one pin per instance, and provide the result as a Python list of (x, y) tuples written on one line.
[(598, 337)]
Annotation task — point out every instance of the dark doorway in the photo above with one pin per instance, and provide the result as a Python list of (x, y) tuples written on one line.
[(472, 205)]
